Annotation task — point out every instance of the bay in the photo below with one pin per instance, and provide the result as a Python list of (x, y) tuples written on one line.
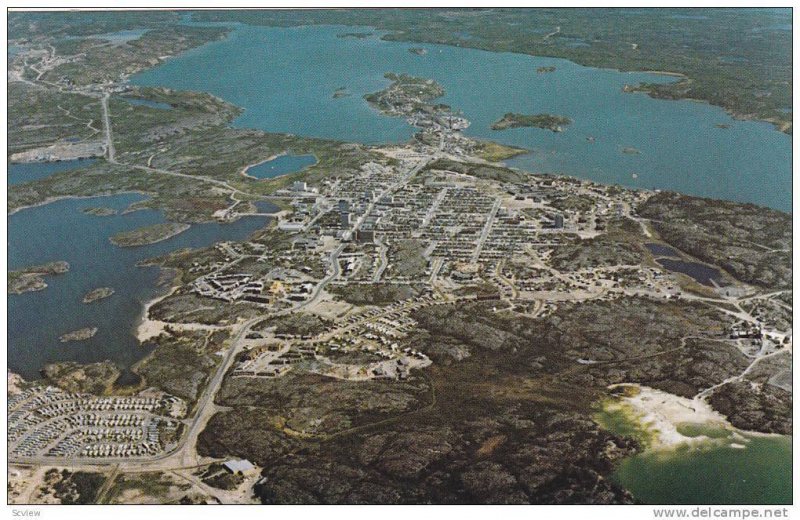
[(19, 173), (728, 467), (285, 78), (756, 472), (62, 231)]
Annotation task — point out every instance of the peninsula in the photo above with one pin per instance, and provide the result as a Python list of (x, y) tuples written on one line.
[(100, 211), (148, 235), (32, 278)]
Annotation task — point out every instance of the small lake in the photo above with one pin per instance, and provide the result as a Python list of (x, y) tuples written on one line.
[(280, 165), (701, 273), (284, 78), (27, 172), (62, 231), (263, 206), (662, 250), (123, 36), (147, 103)]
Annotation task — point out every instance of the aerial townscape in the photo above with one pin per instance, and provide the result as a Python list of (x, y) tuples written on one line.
[(208, 307)]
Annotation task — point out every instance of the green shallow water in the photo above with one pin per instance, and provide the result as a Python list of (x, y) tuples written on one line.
[(760, 473), (716, 472)]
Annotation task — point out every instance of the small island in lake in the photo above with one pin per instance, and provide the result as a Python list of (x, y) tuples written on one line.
[(32, 278), (341, 92), (148, 235), (545, 70), (419, 51), (356, 35), (550, 122), (78, 335), (98, 294), (100, 211)]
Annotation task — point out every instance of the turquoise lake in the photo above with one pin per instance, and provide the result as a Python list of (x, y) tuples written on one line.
[(285, 78), (61, 231), (280, 166)]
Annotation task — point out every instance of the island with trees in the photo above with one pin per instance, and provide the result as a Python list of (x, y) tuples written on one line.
[(551, 122)]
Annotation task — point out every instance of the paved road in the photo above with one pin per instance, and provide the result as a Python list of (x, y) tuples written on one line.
[(188, 176), (391, 189), (111, 153), (437, 201), (205, 405), (485, 231), (335, 270), (111, 156), (384, 262), (104, 489)]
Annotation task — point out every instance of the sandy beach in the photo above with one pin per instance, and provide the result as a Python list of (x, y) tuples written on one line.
[(149, 328), (268, 159), (662, 413)]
